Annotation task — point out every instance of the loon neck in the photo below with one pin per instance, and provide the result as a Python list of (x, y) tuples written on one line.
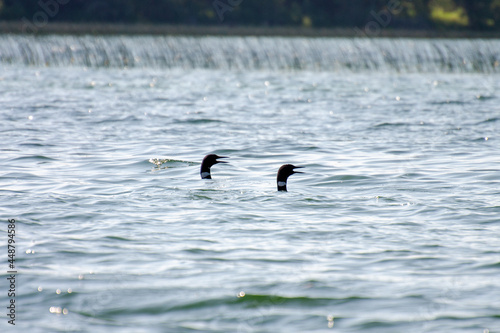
[(205, 173), (282, 185)]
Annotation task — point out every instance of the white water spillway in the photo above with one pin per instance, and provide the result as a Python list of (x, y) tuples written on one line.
[(255, 53)]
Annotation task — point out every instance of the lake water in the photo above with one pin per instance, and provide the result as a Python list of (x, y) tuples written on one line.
[(394, 227)]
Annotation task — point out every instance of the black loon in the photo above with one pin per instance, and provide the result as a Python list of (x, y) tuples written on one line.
[(283, 173), (208, 161)]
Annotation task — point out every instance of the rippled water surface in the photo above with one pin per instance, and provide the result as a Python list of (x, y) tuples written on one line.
[(394, 227)]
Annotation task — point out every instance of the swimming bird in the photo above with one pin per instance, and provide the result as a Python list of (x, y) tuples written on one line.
[(283, 173), (208, 161)]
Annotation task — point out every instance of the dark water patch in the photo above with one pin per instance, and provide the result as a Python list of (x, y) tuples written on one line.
[(492, 266), (493, 209), (307, 148), (411, 261), (204, 251), (284, 262), (387, 199), (448, 102), (80, 254), (484, 139), (198, 121), (82, 217), (412, 175), (489, 120), (378, 325), (256, 300), (29, 219), (39, 158), (10, 150), (165, 307), (118, 238), (399, 124), (115, 119), (317, 199), (347, 178), (37, 145), (195, 196), (399, 152), (407, 224), (401, 252), (485, 98)]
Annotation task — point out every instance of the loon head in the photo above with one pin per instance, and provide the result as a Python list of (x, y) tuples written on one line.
[(208, 161), (283, 173)]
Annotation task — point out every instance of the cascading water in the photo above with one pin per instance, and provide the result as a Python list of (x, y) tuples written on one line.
[(255, 53)]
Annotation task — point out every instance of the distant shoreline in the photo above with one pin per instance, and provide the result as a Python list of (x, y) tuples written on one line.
[(8, 27)]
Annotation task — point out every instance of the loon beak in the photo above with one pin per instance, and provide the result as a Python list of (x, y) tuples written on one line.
[(221, 161), (297, 167)]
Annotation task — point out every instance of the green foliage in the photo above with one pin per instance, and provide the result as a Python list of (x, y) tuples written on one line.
[(412, 14), (456, 17)]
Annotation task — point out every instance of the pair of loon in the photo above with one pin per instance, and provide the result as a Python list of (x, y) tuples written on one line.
[(284, 172)]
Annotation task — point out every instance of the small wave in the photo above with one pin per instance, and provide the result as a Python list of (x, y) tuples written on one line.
[(198, 121), (118, 238), (448, 102), (391, 125), (34, 157), (34, 144), (480, 139), (257, 300), (485, 98), (125, 119), (489, 120), (495, 265), (166, 163)]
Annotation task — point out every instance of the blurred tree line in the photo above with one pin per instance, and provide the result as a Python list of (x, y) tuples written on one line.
[(409, 14)]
